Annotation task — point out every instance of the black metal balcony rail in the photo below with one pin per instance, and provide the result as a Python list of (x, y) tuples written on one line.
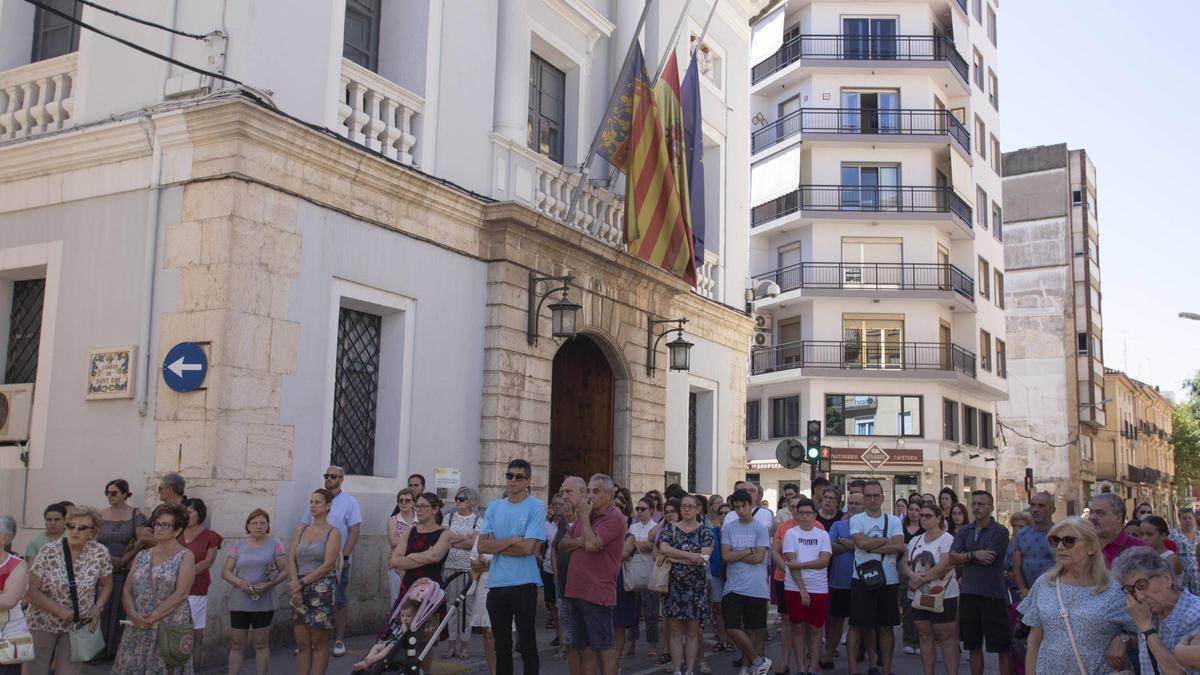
[(935, 47), (871, 276), (901, 121), (853, 355), (869, 198)]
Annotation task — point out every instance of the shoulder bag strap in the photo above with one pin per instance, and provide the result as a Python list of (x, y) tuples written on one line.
[(1062, 611), (71, 578), (886, 522)]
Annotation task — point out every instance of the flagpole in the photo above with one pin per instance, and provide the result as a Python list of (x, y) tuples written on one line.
[(671, 44), (704, 31), (612, 99)]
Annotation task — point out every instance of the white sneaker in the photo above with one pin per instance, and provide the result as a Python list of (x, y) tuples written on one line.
[(909, 650), (339, 648), (764, 667), (744, 671)]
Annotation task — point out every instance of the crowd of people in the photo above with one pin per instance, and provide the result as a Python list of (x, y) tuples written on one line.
[(1097, 594)]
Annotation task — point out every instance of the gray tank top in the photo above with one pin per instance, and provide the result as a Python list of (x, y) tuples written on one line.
[(310, 556)]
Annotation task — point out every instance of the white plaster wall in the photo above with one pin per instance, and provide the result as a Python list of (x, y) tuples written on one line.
[(711, 371), (449, 291)]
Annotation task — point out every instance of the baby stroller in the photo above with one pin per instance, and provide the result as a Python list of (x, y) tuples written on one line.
[(411, 632)]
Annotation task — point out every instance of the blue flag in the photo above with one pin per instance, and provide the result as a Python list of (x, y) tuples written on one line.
[(693, 139)]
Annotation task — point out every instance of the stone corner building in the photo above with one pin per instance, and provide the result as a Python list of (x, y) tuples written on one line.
[(365, 306)]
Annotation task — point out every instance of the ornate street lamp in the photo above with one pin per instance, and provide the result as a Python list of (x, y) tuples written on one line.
[(562, 313), (679, 348)]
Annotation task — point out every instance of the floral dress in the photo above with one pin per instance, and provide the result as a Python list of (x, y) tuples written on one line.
[(687, 595), (151, 585), (117, 536)]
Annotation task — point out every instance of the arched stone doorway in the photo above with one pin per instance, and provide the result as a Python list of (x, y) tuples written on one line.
[(582, 396)]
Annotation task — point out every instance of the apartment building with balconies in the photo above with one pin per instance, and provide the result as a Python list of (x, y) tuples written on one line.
[(359, 211), (1057, 404), (1134, 455), (875, 215)]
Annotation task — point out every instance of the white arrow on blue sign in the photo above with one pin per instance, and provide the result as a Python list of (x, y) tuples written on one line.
[(185, 367)]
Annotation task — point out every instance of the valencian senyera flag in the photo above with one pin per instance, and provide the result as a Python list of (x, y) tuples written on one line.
[(632, 138)]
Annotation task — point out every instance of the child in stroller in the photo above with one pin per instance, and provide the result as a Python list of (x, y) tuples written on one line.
[(410, 634)]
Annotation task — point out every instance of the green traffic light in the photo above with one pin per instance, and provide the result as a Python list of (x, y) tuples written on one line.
[(813, 454)]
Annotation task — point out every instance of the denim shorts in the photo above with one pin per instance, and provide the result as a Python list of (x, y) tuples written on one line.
[(591, 626), (339, 589)]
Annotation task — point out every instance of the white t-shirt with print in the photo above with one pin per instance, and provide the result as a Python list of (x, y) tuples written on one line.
[(808, 546), (938, 547)]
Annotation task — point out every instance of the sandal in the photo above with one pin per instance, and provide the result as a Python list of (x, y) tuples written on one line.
[(559, 656), (652, 655)]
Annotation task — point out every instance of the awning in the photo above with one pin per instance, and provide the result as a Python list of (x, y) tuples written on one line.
[(776, 176), (767, 35), (763, 464)]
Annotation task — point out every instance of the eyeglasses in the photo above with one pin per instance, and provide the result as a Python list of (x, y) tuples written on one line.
[(112, 493), (79, 528), (928, 515), (404, 501), (640, 508), (1139, 585), (1067, 541), (164, 525), (460, 498), (808, 513), (332, 476), (690, 506), (879, 496), (514, 476)]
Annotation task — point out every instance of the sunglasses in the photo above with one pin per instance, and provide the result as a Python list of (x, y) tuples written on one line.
[(79, 528), (404, 501), (112, 493), (460, 498), (1067, 541), (928, 515), (514, 476), (640, 508), (332, 476), (164, 525)]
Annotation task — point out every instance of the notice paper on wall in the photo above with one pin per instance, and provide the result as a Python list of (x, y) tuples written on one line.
[(446, 482)]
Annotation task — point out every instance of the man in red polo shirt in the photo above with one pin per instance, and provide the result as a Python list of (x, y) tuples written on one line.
[(1108, 517), (595, 542)]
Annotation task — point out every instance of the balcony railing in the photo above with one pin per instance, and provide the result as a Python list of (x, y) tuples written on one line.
[(377, 112), (872, 277), (707, 275), (866, 198), (862, 48), (898, 356), (37, 98), (599, 213), (903, 122)]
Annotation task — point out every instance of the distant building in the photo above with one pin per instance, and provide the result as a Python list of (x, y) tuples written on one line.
[(1134, 455)]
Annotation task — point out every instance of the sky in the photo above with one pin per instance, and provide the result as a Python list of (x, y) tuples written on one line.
[(1119, 80)]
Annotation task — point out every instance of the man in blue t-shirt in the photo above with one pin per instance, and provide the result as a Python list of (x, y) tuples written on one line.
[(512, 529), (841, 571), (877, 536), (744, 545), (1031, 553)]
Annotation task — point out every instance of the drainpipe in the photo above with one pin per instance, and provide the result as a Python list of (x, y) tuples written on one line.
[(150, 257)]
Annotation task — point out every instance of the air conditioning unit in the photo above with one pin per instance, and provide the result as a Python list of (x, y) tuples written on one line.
[(762, 322), (762, 338), (16, 407)]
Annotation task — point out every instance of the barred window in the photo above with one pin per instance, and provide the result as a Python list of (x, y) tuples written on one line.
[(356, 391), (24, 331)]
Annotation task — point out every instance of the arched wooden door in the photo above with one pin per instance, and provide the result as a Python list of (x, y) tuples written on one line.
[(581, 412)]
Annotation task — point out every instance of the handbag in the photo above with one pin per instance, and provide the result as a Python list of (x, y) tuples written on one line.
[(660, 578), (933, 601), (638, 571), (870, 573), (175, 643), (85, 642), (1062, 611), (16, 645)]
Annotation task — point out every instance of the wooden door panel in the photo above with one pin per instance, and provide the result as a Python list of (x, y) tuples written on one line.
[(581, 412)]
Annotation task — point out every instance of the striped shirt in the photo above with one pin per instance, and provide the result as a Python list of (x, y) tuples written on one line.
[(1183, 620), (1187, 554)]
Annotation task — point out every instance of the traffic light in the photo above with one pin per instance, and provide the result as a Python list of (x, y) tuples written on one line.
[(825, 465), (812, 451)]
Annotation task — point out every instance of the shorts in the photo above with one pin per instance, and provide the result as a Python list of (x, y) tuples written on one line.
[(743, 612), (839, 602), (981, 618), (879, 608), (949, 613), (591, 626), (247, 620), (340, 600), (813, 614), (564, 616), (780, 600), (548, 589), (199, 605), (716, 589)]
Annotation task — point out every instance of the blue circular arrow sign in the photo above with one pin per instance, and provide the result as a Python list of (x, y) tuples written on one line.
[(185, 367)]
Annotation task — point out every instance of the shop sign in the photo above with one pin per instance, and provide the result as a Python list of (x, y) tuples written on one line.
[(875, 456)]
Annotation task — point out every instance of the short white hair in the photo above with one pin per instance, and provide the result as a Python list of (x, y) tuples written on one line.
[(605, 480)]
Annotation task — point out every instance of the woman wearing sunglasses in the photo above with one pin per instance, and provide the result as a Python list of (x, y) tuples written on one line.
[(1079, 584), (463, 526), (935, 630)]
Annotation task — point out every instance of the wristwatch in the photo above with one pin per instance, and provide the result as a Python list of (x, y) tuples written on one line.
[(1145, 635)]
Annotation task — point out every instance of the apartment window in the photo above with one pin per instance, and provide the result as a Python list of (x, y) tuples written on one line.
[(981, 200), (970, 428), (870, 188), (991, 24), (753, 420), (869, 38), (356, 390), (871, 415), (53, 35), (997, 222), (993, 89), (998, 289), (785, 417), (360, 37), (978, 62), (1081, 343), (24, 331), (985, 350), (547, 108), (1096, 351), (980, 138), (870, 112), (977, 10), (949, 420), (996, 156), (1001, 358), (987, 437), (1076, 197), (984, 279)]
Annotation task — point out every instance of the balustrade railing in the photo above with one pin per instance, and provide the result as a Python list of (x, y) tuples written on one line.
[(377, 112), (37, 98), (598, 213)]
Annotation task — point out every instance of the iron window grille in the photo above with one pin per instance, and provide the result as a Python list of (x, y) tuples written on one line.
[(25, 330), (356, 391)]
